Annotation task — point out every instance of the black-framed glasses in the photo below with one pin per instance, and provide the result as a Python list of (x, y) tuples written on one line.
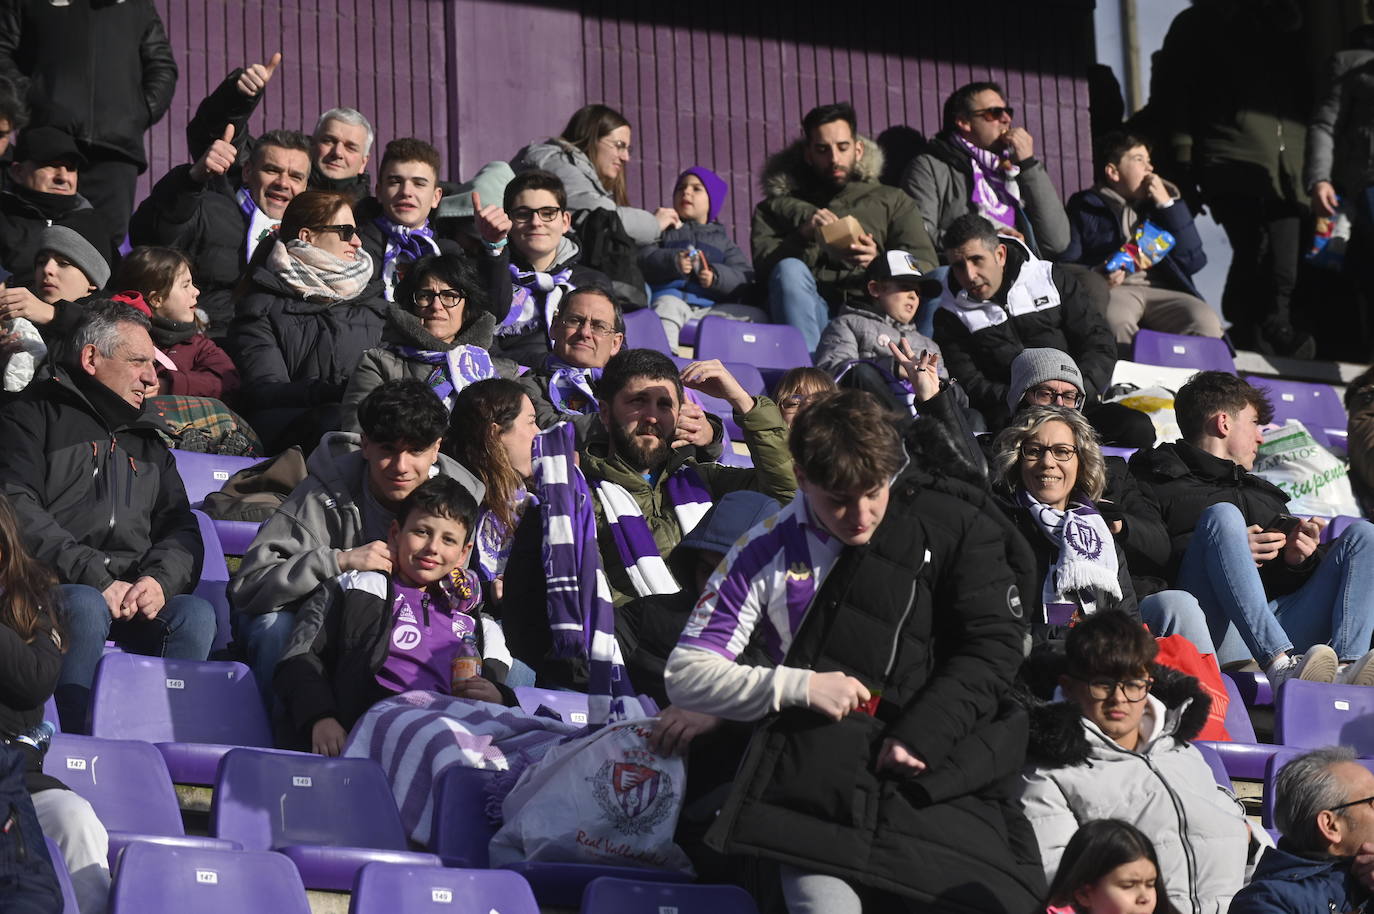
[(994, 112), (1061, 452), (1044, 396), (1369, 800), (345, 232), (1132, 690), (449, 298), (576, 322), (526, 214)]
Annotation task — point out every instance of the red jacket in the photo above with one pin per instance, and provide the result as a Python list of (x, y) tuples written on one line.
[(203, 369)]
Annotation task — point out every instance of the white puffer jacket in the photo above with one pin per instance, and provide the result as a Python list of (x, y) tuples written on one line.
[(1166, 789)]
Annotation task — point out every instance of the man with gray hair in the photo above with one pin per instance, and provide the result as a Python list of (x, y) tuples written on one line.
[(1324, 808), (100, 502)]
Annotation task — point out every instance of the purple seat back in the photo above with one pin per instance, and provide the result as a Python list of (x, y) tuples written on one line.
[(571, 706), (214, 579), (125, 781), (206, 473), (179, 701), (1338, 525), (1280, 758), (391, 888), (266, 800), (643, 330), (1215, 763), (610, 895), (50, 713), (1317, 406), (1201, 352), (155, 877), (64, 879), (775, 346), (1238, 723), (1315, 714), (461, 830)]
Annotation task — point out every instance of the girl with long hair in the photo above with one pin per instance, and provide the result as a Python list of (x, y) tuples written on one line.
[(1109, 867)]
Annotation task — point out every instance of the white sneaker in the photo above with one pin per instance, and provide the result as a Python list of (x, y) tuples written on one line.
[(1319, 664), (1358, 672)]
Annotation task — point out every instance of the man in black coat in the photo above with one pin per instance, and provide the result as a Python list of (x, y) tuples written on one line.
[(103, 72), (1235, 548)]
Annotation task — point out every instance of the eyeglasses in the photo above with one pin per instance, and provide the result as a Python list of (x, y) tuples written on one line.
[(545, 213), (797, 401), (1044, 396), (1061, 452), (1369, 800), (346, 232), (576, 322), (994, 113), (1132, 689), (449, 298), (618, 145)]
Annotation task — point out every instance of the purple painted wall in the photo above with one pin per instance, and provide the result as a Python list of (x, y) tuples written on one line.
[(714, 82)]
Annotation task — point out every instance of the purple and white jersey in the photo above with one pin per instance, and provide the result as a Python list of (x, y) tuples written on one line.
[(768, 579)]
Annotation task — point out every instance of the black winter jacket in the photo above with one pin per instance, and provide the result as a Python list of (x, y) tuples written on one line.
[(981, 361), (204, 221), (295, 353), (24, 214), (1185, 480), (28, 676), (97, 493), (102, 71), (929, 613)]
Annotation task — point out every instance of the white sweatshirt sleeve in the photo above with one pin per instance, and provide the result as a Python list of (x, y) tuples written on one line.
[(702, 680)]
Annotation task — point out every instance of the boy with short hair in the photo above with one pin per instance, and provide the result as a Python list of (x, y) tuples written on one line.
[(372, 634), (394, 224)]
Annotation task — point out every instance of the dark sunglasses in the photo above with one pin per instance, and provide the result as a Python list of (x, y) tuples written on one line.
[(994, 113), (346, 232)]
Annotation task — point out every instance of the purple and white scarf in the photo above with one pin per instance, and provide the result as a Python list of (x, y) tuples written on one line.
[(494, 537), (1087, 557), (403, 245), (453, 370), (572, 391), (527, 288), (994, 189), (634, 541), (581, 617), (260, 225)]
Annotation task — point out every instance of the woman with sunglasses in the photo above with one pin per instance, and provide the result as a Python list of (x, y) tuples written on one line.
[(1119, 747), (308, 307), (438, 331)]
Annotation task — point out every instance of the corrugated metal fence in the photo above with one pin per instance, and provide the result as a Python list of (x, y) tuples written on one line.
[(721, 83)]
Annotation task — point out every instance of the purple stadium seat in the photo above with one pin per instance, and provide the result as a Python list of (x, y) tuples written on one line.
[(50, 713), (214, 580), (1282, 757), (732, 458), (1219, 772), (1337, 525), (392, 888), (330, 816), (153, 877), (1317, 406), (1315, 714), (127, 784), (643, 330), (1124, 453), (64, 879), (1253, 688), (461, 831), (206, 473), (748, 377), (772, 348), (1244, 757), (1179, 351), (609, 895), (194, 712), (570, 706)]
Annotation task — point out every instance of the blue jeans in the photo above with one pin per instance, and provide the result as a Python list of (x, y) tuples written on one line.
[(1332, 607), (264, 640), (1176, 612), (183, 630), (793, 298)]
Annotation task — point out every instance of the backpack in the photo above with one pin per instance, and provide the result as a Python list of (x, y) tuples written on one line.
[(607, 247), (28, 883), (254, 493)]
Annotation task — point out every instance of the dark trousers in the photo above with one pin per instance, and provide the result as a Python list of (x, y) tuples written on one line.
[(1266, 241), (109, 185)]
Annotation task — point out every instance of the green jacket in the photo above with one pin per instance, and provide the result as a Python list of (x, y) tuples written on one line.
[(792, 195), (766, 435)]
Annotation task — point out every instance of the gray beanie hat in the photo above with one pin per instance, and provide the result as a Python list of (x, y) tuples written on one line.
[(61, 240), (1036, 366)]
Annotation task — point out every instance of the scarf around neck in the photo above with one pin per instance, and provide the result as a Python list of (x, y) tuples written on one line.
[(403, 245), (994, 191), (167, 333), (1087, 557), (454, 369), (494, 536), (634, 541), (572, 391), (529, 289), (316, 275)]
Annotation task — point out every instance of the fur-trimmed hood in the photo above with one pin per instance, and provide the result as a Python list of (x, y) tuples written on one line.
[(786, 172), (1058, 738)]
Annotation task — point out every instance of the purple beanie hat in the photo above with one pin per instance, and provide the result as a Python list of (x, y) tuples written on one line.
[(716, 189)]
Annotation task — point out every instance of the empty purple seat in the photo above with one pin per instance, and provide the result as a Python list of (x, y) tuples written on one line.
[(1283, 756), (1317, 406), (1253, 688), (330, 816), (461, 831), (193, 711), (610, 895), (392, 888), (1244, 757), (1201, 352), (154, 877), (206, 473), (127, 784), (643, 330), (570, 706), (1315, 714), (64, 879), (772, 348)]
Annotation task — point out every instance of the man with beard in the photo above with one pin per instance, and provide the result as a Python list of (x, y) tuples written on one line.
[(830, 173)]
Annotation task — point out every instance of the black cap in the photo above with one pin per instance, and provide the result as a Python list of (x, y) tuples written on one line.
[(45, 145), (900, 266)]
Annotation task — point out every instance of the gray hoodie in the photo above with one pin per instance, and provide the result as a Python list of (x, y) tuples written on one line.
[(863, 333), (297, 548)]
